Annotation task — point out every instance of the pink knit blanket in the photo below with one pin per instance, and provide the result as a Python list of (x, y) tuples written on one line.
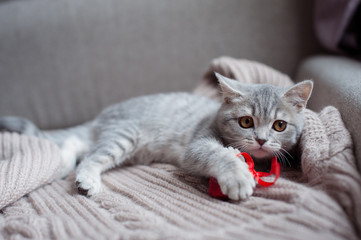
[(319, 201)]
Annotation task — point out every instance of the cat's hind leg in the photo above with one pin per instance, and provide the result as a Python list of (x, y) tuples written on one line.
[(113, 146), (72, 149)]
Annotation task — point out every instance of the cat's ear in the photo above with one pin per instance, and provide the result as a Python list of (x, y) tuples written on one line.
[(229, 88), (299, 94)]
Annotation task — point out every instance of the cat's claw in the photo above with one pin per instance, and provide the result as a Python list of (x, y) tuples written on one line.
[(88, 185), (237, 184), (81, 191)]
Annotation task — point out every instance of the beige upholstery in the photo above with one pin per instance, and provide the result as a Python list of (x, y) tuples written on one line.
[(62, 61)]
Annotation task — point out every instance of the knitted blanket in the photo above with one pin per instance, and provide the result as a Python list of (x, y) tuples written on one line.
[(319, 201)]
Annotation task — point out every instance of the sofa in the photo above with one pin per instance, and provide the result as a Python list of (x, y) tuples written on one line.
[(61, 62), (68, 60)]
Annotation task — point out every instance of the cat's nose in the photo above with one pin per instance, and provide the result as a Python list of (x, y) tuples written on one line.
[(261, 141)]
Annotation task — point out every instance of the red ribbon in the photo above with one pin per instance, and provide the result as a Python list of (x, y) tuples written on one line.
[(275, 169), (215, 190)]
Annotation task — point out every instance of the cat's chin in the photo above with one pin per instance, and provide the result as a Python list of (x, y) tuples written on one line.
[(260, 154)]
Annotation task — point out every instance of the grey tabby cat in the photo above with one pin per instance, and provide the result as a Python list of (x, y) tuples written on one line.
[(195, 133)]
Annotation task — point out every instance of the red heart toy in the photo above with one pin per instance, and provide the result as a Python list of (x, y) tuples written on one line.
[(215, 190)]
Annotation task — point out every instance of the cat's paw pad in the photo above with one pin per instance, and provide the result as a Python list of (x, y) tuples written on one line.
[(88, 185), (81, 190), (237, 184)]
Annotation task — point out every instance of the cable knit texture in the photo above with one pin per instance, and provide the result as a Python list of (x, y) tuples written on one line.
[(25, 164), (321, 200)]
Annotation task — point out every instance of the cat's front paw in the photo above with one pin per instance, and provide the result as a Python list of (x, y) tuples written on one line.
[(88, 184), (237, 183)]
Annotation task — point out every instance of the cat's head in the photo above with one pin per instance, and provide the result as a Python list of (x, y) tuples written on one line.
[(262, 120)]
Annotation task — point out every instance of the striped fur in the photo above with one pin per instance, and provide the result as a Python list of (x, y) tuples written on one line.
[(195, 133)]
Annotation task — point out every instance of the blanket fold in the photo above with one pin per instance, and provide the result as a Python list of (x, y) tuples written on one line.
[(318, 201), (25, 164)]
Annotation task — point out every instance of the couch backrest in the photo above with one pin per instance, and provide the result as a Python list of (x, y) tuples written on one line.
[(62, 61)]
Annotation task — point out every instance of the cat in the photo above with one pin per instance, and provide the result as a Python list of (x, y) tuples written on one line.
[(200, 135)]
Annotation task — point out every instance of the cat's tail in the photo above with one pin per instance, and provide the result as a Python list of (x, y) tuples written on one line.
[(73, 142), (19, 125), (58, 136)]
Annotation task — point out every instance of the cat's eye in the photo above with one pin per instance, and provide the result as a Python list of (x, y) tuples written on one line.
[(245, 122), (279, 125)]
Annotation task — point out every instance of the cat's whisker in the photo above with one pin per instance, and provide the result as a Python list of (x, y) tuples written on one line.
[(282, 149), (231, 144), (288, 154), (239, 145), (279, 158), (283, 158)]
